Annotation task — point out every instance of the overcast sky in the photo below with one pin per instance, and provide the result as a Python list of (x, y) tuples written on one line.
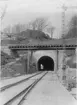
[(23, 11)]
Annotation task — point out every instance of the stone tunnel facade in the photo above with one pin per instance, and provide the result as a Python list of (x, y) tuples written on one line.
[(50, 54)]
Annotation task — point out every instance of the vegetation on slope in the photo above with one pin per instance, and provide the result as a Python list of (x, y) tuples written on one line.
[(5, 58)]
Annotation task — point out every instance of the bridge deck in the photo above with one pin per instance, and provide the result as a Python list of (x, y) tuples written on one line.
[(44, 45), (50, 92)]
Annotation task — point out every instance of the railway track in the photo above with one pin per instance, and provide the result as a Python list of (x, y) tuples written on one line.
[(18, 98), (16, 83)]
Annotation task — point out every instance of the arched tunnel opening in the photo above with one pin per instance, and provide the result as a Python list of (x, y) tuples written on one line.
[(46, 63)]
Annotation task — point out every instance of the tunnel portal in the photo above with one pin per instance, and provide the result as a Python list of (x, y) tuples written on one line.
[(45, 63)]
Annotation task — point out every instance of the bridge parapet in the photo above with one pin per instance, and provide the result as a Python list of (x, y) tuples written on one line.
[(42, 47)]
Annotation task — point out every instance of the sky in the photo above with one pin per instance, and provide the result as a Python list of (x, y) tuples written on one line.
[(23, 11)]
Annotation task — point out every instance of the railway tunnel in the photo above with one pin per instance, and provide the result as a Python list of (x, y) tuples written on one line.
[(46, 63)]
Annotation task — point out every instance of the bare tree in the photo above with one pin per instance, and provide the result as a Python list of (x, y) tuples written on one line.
[(8, 31), (19, 28), (51, 30), (33, 25), (41, 24), (12, 31), (38, 24)]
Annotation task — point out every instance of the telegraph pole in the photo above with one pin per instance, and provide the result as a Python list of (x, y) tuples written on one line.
[(64, 17), (63, 30)]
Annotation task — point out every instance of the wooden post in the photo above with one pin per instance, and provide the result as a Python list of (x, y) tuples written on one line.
[(30, 59), (27, 61), (57, 59), (31, 56)]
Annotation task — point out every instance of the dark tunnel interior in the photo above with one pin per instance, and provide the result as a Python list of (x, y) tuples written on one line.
[(46, 63)]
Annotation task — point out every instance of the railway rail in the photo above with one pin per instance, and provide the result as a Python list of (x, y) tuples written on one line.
[(19, 97), (16, 83)]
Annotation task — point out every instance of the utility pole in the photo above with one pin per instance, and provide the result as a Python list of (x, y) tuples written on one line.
[(64, 17), (63, 31)]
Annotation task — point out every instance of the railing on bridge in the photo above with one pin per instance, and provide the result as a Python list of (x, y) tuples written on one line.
[(42, 47)]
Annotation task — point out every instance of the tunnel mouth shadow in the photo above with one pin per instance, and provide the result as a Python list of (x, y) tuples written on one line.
[(46, 63)]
